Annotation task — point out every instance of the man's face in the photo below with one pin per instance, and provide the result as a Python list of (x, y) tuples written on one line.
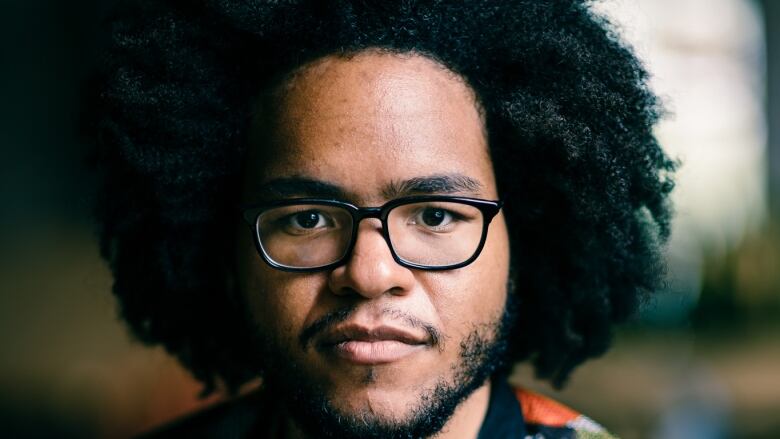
[(368, 126)]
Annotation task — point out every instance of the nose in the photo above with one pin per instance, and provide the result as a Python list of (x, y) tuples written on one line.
[(371, 270)]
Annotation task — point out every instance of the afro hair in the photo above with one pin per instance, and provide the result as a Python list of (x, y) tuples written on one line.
[(569, 118)]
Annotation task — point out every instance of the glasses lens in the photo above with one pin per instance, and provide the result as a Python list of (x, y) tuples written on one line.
[(304, 235), (435, 233)]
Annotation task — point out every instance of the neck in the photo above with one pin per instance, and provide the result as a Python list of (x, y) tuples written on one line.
[(464, 423)]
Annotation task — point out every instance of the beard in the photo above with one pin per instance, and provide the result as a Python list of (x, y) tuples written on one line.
[(482, 354)]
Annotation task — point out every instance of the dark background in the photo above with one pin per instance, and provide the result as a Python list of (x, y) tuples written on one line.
[(703, 361)]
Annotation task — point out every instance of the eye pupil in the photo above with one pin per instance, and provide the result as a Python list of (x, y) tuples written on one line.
[(433, 217), (308, 219)]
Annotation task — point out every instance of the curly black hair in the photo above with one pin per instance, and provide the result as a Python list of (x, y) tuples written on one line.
[(569, 118)]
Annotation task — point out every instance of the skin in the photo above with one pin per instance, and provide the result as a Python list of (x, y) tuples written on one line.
[(364, 124)]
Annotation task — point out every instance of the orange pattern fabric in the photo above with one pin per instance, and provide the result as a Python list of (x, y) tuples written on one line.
[(539, 409)]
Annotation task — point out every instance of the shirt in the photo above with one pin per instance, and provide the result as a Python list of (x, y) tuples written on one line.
[(513, 413), (517, 413)]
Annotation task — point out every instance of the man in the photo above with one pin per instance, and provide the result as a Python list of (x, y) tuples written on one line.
[(377, 207)]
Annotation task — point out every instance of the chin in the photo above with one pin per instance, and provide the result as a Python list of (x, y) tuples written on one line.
[(378, 402), (380, 387), (379, 406)]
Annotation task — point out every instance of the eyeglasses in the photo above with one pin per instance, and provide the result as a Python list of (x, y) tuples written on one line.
[(430, 232)]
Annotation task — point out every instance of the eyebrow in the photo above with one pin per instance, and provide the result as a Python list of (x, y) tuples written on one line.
[(434, 184), (287, 187), (298, 186)]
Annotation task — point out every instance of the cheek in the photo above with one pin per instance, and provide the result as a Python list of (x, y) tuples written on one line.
[(476, 294), (279, 302)]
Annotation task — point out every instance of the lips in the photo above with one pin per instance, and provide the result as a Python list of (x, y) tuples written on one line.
[(369, 346)]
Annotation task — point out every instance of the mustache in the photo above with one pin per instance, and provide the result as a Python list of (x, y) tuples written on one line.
[(337, 316)]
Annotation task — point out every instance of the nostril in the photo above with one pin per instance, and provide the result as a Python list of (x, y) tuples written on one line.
[(345, 291)]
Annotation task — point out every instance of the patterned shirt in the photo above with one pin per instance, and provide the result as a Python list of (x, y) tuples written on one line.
[(517, 413), (513, 413)]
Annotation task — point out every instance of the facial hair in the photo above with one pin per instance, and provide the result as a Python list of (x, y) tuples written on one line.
[(482, 354)]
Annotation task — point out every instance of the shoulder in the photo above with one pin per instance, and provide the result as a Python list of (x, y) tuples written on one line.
[(547, 418), (236, 418)]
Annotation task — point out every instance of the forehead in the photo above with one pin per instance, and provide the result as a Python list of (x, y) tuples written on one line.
[(368, 121)]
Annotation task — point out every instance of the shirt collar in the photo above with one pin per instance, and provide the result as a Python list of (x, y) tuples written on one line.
[(504, 418)]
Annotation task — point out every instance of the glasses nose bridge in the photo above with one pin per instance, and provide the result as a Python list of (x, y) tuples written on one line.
[(362, 213)]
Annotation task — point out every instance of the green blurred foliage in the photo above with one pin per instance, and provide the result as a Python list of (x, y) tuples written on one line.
[(741, 286)]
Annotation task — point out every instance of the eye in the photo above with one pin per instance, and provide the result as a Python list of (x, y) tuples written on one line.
[(435, 217), (307, 220)]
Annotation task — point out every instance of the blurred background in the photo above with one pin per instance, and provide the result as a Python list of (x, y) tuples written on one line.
[(701, 361)]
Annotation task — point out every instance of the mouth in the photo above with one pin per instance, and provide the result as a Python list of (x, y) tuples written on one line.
[(371, 346)]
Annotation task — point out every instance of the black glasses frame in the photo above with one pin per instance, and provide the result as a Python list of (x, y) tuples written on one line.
[(251, 214)]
